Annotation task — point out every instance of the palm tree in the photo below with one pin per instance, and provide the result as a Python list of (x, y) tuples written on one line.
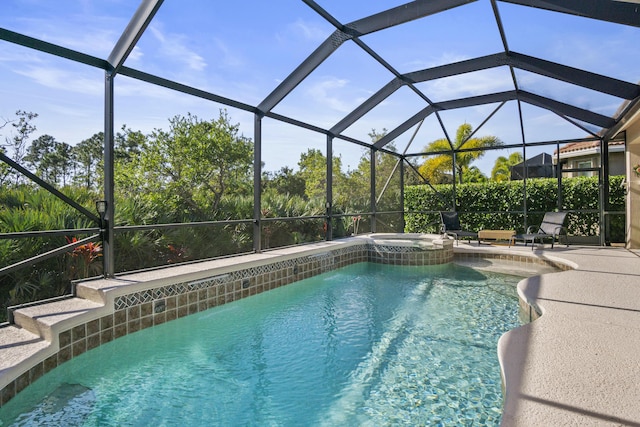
[(436, 167), (502, 168), (474, 174)]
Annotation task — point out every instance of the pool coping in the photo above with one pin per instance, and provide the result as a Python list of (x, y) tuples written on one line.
[(600, 290)]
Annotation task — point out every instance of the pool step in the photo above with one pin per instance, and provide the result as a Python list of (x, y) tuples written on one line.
[(92, 291), (46, 320), (18, 347)]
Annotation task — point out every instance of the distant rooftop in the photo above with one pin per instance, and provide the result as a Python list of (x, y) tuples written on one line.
[(586, 145)]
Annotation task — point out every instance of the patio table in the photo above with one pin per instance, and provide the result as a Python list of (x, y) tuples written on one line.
[(497, 235)]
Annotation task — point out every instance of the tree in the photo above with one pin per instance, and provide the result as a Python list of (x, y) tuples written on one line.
[(284, 181), (387, 180), (352, 189), (435, 168), (313, 170), (474, 174), (502, 167), (5, 170), (24, 129), (47, 157), (128, 144), (190, 167), (88, 154), (61, 161)]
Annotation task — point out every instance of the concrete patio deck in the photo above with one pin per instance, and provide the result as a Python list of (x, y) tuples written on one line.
[(579, 363)]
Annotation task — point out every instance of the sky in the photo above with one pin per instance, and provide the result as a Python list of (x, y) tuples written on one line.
[(242, 50)]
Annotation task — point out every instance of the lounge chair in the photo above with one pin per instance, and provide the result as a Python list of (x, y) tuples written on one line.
[(450, 225), (551, 227)]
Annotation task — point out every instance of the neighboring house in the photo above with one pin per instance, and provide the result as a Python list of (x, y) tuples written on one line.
[(582, 155), (540, 166)]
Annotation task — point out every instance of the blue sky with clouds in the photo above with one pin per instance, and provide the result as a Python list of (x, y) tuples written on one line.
[(244, 49)]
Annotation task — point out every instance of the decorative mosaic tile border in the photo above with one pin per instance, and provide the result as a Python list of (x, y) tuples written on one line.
[(284, 272), (144, 309)]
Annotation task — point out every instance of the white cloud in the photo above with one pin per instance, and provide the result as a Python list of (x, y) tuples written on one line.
[(444, 58), (56, 78), (174, 47), (227, 56), (91, 34), (309, 31), (135, 55), (98, 43), (136, 91), (21, 56), (468, 84), (324, 92)]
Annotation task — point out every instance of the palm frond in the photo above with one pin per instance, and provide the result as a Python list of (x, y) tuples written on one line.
[(437, 146)]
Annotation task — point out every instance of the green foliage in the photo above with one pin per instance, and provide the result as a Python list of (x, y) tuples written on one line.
[(26, 209), (499, 205), (313, 171), (190, 167), (474, 174), (196, 171), (284, 181), (50, 159), (387, 181), (88, 155), (436, 168), (23, 127), (284, 233), (155, 247), (501, 171)]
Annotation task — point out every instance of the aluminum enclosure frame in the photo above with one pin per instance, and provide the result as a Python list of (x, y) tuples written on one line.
[(606, 10)]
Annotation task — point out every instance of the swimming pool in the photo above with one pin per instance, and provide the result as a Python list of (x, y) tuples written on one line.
[(367, 344)]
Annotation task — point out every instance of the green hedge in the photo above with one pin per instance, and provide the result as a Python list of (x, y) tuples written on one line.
[(499, 205)]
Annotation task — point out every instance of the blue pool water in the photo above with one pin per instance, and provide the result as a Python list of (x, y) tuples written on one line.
[(368, 345)]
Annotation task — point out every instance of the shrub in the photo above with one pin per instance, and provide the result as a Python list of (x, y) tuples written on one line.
[(499, 205)]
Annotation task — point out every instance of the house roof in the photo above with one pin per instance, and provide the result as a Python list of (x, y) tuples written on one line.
[(540, 159), (585, 146)]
